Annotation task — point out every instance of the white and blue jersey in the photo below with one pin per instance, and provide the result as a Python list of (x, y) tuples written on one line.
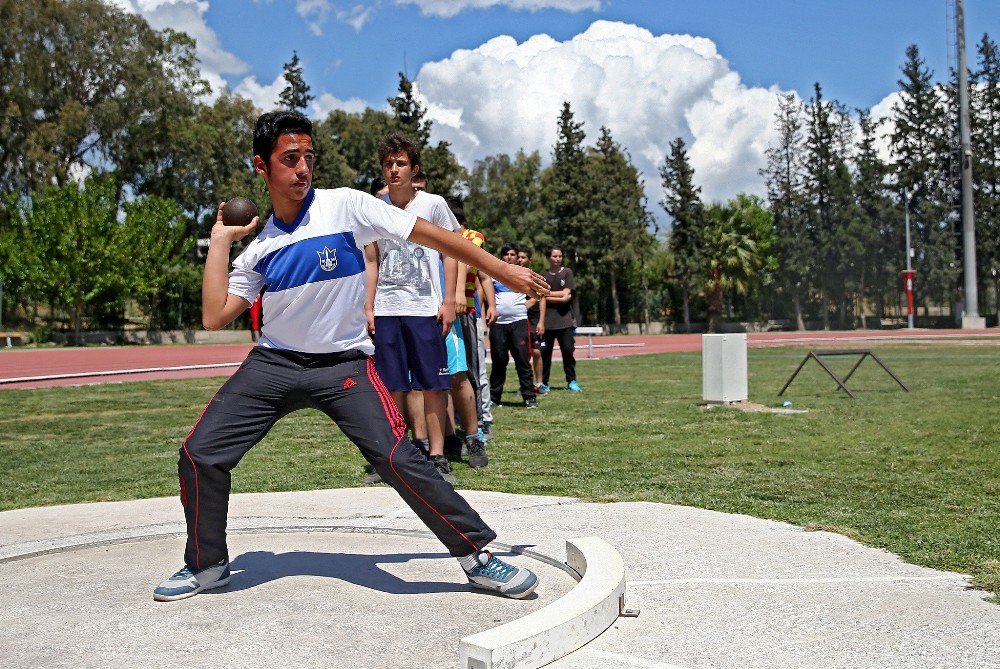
[(511, 305), (313, 269)]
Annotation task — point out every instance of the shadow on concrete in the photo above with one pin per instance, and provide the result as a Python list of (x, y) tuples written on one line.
[(258, 567)]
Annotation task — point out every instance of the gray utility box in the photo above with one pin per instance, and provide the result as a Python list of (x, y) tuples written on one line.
[(724, 368)]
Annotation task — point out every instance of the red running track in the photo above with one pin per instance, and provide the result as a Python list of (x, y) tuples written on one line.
[(20, 368)]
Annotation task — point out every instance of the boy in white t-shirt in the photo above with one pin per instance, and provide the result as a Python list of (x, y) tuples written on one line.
[(408, 309)]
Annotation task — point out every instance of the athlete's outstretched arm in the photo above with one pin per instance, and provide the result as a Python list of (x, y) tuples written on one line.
[(515, 277), (218, 307)]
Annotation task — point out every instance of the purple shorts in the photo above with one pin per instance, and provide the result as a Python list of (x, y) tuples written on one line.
[(410, 353)]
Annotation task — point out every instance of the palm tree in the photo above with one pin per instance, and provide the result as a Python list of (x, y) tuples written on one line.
[(733, 239)]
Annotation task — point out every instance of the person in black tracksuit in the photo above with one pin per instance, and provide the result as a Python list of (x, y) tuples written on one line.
[(559, 319), (510, 336)]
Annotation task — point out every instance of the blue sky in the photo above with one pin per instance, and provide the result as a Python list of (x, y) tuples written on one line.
[(854, 48), (615, 60)]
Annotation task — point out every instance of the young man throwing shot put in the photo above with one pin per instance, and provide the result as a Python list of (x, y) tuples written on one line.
[(315, 351)]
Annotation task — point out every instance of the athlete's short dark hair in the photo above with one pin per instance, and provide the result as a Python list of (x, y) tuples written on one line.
[(506, 248), (526, 250), (456, 207), (395, 142), (420, 176), (378, 183), (272, 125)]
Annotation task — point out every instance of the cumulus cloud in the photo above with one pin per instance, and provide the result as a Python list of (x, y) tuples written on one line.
[(188, 16), (264, 96), (449, 8), (326, 103), (883, 111), (356, 16), (314, 12), (648, 89)]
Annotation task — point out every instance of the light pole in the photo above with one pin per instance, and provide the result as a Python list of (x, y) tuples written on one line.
[(908, 274), (971, 318)]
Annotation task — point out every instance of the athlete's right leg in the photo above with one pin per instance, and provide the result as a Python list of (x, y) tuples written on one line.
[(366, 413), (238, 417)]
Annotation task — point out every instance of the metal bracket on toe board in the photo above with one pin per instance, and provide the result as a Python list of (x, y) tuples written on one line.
[(566, 624)]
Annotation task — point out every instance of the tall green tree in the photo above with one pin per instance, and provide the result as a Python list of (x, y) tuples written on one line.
[(682, 201), (620, 218), (444, 172), (920, 145), (504, 199), (208, 161), (876, 227), (985, 108), (296, 95), (86, 85), (565, 192), (829, 200), (153, 235), (785, 178)]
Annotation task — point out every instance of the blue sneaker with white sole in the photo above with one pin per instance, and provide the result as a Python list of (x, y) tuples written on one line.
[(495, 575), (574, 387), (186, 583)]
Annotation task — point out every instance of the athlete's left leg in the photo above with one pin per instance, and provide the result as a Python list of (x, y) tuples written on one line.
[(353, 395)]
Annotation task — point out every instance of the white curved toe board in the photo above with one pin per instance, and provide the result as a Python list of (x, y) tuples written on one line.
[(564, 625)]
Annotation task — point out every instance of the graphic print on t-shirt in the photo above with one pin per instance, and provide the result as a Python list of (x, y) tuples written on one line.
[(407, 264)]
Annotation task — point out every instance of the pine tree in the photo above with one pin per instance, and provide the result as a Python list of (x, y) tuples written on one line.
[(565, 195), (920, 144), (828, 189), (682, 201), (621, 217), (436, 161), (295, 96), (410, 113), (785, 178), (877, 226), (985, 115)]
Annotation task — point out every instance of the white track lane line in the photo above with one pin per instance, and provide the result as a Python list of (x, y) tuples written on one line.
[(795, 581)]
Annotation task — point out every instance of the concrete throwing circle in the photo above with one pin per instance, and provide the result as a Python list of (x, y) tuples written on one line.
[(298, 596)]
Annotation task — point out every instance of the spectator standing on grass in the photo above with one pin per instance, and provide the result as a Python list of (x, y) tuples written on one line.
[(408, 308), (315, 352), (414, 411), (536, 321), (463, 391), (477, 312), (510, 336), (559, 320)]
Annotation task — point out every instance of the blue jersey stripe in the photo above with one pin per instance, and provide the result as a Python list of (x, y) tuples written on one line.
[(311, 260)]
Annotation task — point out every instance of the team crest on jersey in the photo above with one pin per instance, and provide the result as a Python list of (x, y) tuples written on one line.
[(327, 259)]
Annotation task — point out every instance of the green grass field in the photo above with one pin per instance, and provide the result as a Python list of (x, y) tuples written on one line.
[(917, 474)]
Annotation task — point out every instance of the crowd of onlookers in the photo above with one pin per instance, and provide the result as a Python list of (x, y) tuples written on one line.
[(452, 415)]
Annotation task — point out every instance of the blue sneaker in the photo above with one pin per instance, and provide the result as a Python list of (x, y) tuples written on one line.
[(495, 575), (575, 387), (186, 583)]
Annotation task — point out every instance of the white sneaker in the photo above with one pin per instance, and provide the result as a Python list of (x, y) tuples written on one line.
[(186, 583), (495, 575)]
